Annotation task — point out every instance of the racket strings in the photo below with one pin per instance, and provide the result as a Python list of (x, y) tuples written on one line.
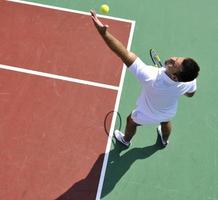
[(155, 58)]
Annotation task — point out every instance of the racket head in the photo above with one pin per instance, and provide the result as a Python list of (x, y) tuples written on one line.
[(108, 121), (155, 58)]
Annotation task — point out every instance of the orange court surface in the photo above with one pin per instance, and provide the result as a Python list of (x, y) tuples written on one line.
[(56, 89)]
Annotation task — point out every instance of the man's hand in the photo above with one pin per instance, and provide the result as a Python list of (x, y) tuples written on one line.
[(98, 24)]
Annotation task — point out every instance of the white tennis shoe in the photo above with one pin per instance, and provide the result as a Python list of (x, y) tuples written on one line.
[(164, 143), (120, 138)]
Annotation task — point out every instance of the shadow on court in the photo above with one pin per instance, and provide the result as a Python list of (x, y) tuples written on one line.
[(87, 187), (118, 165)]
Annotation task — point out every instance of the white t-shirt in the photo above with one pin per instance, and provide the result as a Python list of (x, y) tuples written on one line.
[(159, 94)]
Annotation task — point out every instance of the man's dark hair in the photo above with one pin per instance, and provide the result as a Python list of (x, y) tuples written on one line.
[(189, 71)]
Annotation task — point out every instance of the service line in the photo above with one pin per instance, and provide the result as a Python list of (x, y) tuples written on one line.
[(58, 77)]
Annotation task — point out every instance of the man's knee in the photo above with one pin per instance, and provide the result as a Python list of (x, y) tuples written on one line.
[(130, 121), (166, 126), (166, 123)]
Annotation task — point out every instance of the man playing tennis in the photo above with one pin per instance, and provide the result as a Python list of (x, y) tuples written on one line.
[(161, 87)]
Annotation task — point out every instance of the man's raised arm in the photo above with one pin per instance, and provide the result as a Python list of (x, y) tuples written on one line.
[(113, 43)]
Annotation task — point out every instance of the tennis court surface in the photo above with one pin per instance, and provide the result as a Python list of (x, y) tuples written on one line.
[(56, 89), (58, 81)]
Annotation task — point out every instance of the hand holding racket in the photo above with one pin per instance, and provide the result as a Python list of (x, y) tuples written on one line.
[(155, 58)]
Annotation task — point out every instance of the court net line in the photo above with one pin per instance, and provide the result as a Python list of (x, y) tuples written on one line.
[(59, 77)]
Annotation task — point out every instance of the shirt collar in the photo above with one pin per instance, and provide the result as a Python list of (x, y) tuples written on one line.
[(167, 78)]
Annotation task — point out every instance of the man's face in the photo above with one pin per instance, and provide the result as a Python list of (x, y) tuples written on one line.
[(174, 64)]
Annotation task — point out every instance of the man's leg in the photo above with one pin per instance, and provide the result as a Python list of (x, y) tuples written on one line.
[(130, 130), (166, 128)]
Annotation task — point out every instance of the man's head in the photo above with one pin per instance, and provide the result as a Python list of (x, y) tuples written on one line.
[(182, 69)]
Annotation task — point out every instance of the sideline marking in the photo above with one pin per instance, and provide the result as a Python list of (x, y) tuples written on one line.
[(59, 77), (69, 10), (109, 141), (119, 89)]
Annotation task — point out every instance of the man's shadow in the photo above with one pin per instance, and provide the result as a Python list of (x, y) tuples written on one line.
[(86, 188), (118, 164)]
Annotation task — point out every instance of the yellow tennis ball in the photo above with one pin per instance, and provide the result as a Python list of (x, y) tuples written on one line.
[(104, 8)]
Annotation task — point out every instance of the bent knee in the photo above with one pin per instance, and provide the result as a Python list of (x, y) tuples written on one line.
[(129, 120)]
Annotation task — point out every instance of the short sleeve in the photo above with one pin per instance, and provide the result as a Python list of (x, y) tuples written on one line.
[(193, 86), (142, 71)]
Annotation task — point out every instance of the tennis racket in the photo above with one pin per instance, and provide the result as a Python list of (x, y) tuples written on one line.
[(108, 120), (155, 58)]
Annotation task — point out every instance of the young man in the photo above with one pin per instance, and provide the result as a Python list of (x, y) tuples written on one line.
[(161, 87)]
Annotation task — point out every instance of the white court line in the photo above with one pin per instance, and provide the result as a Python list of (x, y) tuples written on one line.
[(69, 10), (59, 77), (109, 141)]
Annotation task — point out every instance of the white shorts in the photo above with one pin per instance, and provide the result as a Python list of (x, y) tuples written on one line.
[(140, 117)]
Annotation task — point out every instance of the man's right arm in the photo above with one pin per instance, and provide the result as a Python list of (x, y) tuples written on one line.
[(113, 43)]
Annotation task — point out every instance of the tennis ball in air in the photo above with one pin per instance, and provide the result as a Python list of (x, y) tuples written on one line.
[(104, 8)]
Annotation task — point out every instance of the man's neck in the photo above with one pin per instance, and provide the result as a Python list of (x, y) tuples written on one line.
[(171, 76)]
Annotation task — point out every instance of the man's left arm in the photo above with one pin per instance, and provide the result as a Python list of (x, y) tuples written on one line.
[(112, 42)]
